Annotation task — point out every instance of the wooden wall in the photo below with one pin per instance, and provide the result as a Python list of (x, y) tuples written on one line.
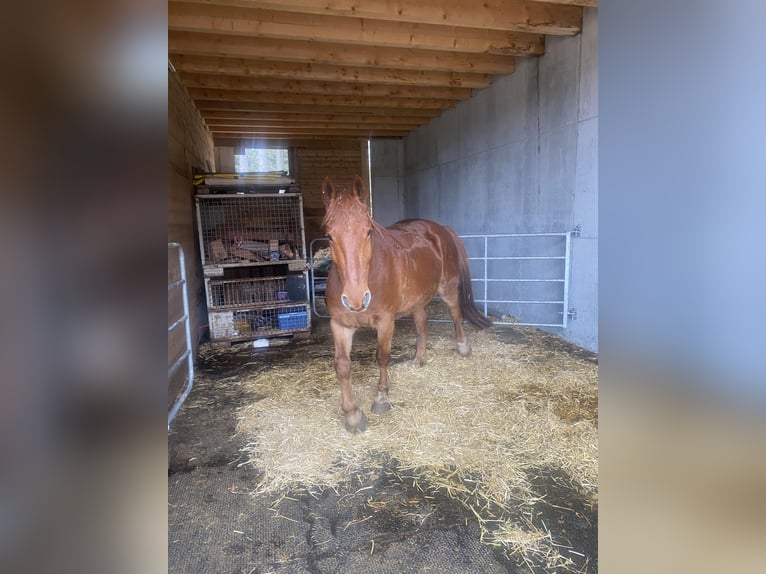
[(340, 159), (190, 146)]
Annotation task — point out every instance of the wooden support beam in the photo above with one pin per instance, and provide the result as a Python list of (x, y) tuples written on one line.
[(258, 119), (241, 143), (306, 116), (554, 18), (255, 22), (205, 105), (300, 132), (584, 3), (222, 125), (259, 68), (326, 88), (337, 54), (319, 100)]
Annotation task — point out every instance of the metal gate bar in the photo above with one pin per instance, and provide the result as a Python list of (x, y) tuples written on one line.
[(312, 276), (184, 318), (486, 280)]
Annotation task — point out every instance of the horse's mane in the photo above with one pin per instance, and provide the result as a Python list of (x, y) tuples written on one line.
[(339, 200)]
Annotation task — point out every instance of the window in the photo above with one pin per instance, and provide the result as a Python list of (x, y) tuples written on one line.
[(266, 159)]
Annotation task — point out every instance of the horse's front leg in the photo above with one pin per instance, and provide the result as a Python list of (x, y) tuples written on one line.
[(382, 403), (343, 337)]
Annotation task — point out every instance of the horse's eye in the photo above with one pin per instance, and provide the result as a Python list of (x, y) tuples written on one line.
[(369, 232)]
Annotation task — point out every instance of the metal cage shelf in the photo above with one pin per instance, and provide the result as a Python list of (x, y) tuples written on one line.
[(250, 229), (252, 248)]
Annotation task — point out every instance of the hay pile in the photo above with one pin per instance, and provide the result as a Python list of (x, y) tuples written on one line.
[(471, 428)]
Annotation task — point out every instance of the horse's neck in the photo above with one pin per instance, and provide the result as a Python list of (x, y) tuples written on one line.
[(386, 243)]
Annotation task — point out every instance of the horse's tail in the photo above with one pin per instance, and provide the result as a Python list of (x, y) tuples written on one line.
[(465, 291)]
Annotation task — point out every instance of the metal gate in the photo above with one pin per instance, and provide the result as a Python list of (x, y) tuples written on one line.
[(522, 278), (518, 278), (318, 267), (176, 285)]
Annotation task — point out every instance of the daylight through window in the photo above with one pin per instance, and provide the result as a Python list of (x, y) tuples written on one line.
[(268, 159)]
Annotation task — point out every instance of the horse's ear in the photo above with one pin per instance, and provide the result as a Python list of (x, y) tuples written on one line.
[(328, 191), (358, 187)]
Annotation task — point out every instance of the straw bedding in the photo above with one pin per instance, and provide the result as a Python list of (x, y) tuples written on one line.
[(471, 428)]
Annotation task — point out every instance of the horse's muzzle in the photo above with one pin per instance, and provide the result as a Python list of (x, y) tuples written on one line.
[(365, 303)]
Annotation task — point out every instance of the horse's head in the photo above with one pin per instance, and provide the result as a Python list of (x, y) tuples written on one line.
[(349, 226)]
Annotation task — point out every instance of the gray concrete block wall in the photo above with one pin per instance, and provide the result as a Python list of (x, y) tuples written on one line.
[(584, 271), (519, 157), (387, 180)]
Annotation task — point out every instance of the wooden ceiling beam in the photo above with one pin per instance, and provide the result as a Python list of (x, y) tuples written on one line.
[(511, 15), (319, 100), (318, 115), (583, 3), (255, 22), (224, 125), (337, 54), (258, 68), (300, 132), (327, 88), (205, 106), (255, 119), (325, 141)]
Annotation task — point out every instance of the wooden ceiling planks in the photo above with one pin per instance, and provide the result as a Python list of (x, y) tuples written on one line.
[(511, 15), (256, 22), (279, 85), (262, 68), (312, 70), (337, 54)]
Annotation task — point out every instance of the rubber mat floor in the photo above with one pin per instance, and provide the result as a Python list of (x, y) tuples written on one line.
[(217, 524)]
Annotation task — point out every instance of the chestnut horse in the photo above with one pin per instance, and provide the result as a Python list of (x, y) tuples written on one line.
[(379, 274)]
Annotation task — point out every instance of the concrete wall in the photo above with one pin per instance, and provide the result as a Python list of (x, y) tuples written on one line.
[(518, 157), (386, 159)]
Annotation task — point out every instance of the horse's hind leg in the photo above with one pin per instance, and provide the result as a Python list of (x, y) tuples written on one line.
[(382, 403), (419, 317), (451, 298), (343, 337)]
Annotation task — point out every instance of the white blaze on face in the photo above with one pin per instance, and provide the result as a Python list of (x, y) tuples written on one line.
[(349, 228)]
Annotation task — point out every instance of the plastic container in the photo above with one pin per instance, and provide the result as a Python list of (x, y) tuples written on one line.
[(298, 320), (296, 288)]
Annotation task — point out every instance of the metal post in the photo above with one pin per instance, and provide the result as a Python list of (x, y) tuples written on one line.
[(313, 277), (565, 311), (185, 318), (486, 284)]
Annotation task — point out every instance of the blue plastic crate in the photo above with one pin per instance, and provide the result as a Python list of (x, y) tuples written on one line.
[(292, 309), (299, 320)]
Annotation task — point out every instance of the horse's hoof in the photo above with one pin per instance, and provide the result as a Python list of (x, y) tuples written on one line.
[(381, 407), (464, 349), (358, 425)]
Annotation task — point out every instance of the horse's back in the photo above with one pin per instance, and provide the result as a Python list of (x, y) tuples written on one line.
[(440, 238), (415, 231), (432, 248), (414, 225)]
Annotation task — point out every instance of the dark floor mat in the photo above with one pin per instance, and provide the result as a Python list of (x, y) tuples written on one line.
[(216, 525)]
